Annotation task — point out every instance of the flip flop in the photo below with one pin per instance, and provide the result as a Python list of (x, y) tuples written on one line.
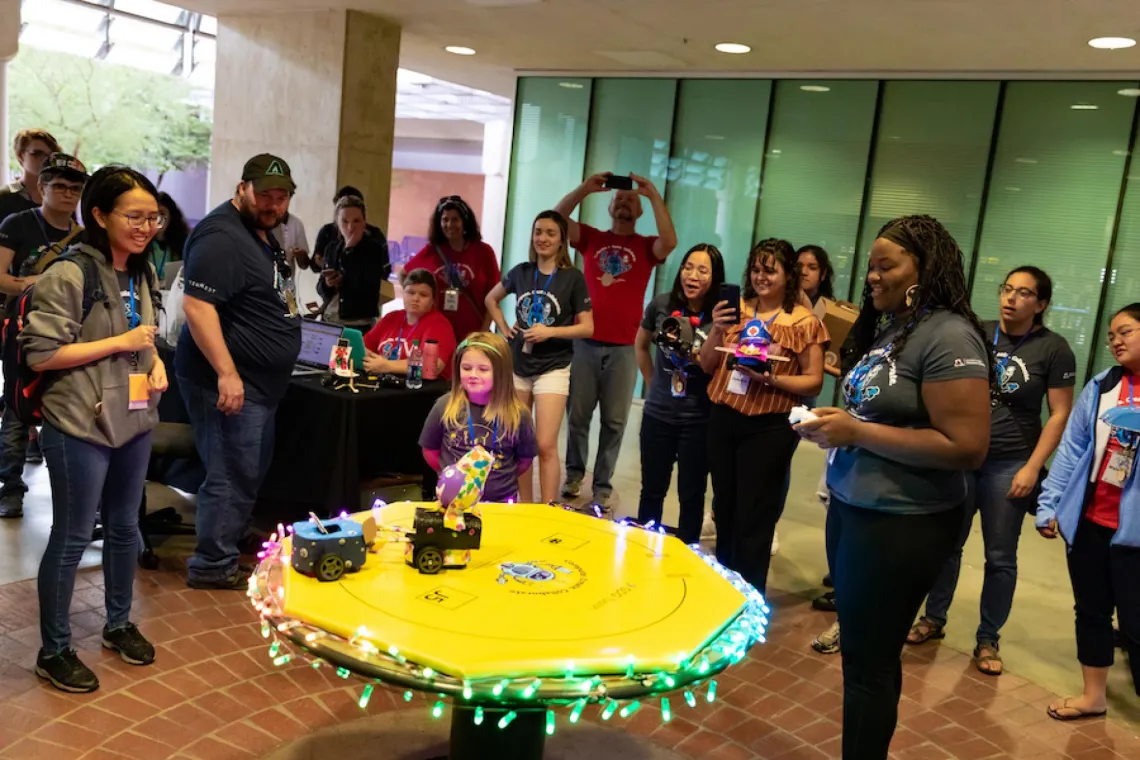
[(1081, 715)]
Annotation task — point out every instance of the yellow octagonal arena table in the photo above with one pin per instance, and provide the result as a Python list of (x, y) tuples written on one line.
[(555, 610)]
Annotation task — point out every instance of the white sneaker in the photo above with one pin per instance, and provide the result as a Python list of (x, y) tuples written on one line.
[(775, 543), (708, 528)]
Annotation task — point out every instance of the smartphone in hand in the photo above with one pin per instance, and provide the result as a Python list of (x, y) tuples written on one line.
[(619, 182), (730, 291)]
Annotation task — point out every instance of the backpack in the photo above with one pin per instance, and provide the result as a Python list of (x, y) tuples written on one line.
[(23, 386)]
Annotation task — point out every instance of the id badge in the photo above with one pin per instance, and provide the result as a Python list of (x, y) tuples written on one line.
[(738, 382), (451, 300), (1119, 465), (679, 383), (138, 392)]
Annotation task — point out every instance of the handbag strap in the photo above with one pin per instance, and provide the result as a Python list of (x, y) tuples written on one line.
[(452, 276)]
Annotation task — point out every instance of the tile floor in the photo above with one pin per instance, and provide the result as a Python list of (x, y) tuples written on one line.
[(213, 694)]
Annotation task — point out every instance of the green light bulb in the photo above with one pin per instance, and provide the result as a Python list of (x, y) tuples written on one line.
[(365, 696), (343, 672), (611, 708), (630, 709), (670, 681), (498, 690), (408, 696), (690, 699), (437, 710), (579, 706), (317, 664), (704, 665), (531, 688), (666, 713), (282, 660), (274, 648), (264, 629), (428, 672), (550, 723), (467, 690), (712, 691), (478, 716), (507, 719)]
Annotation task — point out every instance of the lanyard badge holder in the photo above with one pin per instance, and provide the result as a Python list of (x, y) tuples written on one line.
[(138, 385), (451, 294), (537, 314), (1125, 422)]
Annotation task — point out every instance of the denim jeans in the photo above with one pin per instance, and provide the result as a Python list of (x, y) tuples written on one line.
[(236, 452), (882, 564), (662, 444), (605, 375), (13, 449), (1001, 530), (82, 475)]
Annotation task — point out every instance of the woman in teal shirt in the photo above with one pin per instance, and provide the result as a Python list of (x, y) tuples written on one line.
[(168, 243)]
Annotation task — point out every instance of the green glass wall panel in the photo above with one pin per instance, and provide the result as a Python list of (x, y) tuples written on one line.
[(816, 168), (714, 169), (1053, 196), (547, 154), (930, 158)]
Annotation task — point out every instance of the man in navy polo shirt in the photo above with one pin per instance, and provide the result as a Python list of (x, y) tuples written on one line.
[(234, 359)]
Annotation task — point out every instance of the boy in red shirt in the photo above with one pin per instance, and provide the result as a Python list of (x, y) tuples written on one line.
[(617, 264)]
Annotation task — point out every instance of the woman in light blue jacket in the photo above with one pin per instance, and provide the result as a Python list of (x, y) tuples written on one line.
[(1091, 499)]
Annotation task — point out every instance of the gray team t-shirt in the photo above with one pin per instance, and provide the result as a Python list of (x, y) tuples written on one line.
[(944, 346)]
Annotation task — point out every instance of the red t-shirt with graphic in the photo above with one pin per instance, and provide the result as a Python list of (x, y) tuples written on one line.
[(1104, 509), (617, 269), (392, 337), (477, 271)]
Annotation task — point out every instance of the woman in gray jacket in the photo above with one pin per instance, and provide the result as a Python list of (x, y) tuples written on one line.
[(103, 381)]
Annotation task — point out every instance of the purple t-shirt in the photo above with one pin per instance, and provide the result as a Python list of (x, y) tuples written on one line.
[(452, 442)]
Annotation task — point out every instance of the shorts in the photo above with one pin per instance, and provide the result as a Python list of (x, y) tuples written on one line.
[(556, 382)]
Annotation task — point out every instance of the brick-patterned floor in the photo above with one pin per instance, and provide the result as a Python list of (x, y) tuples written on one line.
[(213, 694)]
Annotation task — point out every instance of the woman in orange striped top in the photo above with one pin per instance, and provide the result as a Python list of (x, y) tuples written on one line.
[(749, 438)]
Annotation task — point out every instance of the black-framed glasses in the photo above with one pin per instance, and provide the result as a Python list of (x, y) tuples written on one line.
[(1005, 291), (138, 221), (63, 188)]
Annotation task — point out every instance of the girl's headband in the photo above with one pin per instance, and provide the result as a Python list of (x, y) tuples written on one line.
[(467, 343)]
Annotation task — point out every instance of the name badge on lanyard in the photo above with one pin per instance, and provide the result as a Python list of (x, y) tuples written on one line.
[(138, 385), (451, 299), (1121, 461)]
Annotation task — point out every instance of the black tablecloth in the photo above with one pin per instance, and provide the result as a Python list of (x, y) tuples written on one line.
[(328, 442)]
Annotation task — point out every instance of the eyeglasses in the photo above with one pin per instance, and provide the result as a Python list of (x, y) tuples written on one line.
[(137, 221), (66, 189), (1121, 336), (702, 272), (1023, 293)]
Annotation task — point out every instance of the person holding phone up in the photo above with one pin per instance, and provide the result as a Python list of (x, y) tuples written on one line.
[(750, 441), (617, 263)]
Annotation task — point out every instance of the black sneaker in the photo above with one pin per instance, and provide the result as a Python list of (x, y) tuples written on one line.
[(824, 602), (130, 644), (66, 672), (827, 581), (12, 505), (34, 454), (235, 581)]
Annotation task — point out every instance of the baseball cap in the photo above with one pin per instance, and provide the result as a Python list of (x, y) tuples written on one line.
[(63, 165), (268, 172)]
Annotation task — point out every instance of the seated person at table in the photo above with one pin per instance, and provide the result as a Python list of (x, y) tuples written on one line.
[(354, 268), (482, 409), (389, 342)]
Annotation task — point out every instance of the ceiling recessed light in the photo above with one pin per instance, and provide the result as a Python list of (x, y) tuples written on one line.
[(1083, 107), (733, 48), (570, 85), (1111, 43), (459, 50), (814, 88), (1129, 92)]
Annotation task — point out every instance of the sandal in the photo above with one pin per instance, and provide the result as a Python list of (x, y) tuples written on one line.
[(1078, 714), (925, 630), (985, 655)]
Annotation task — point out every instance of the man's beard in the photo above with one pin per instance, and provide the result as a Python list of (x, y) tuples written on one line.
[(251, 215)]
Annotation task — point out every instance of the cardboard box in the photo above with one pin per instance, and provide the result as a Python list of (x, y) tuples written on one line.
[(838, 317), (387, 292)]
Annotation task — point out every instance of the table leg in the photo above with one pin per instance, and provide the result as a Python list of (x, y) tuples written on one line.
[(523, 739)]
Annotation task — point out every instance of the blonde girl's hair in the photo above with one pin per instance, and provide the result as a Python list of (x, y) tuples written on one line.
[(504, 409), (562, 259)]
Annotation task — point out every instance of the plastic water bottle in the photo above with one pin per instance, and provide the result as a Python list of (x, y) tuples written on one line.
[(415, 377)]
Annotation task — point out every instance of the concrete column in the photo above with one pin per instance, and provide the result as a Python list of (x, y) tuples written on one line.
[(9, 45), (496, 167), (317, 88)]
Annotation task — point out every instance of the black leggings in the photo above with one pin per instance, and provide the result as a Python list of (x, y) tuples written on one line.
[(883, 565), (749, 458), (1105, 577)]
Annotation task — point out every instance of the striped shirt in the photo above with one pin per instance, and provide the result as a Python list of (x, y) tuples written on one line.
[(791, 335)]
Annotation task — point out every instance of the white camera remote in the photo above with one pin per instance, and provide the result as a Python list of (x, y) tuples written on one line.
[(801, 414)]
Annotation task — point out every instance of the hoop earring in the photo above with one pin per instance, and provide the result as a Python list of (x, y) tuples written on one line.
[(912, 294)]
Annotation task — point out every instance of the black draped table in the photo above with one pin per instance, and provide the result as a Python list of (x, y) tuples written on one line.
[(329, 442)]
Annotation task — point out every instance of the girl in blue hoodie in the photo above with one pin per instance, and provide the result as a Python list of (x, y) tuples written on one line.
[(1091, 500)]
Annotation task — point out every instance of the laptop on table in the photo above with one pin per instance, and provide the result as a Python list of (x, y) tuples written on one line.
[(318, 339)]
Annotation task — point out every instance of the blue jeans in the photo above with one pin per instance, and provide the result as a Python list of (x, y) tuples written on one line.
[(83, 475), (1001, 530), (662, 444), (602, 375), (236, 452), (13, 449)]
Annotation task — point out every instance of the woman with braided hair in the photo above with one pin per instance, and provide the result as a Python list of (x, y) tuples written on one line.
[(915, 421)]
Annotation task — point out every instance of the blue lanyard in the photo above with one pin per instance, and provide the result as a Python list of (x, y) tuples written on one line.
[(132, 312), (471, 432), (394, 350), (999, 367), (536, 316), (159, 266)]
